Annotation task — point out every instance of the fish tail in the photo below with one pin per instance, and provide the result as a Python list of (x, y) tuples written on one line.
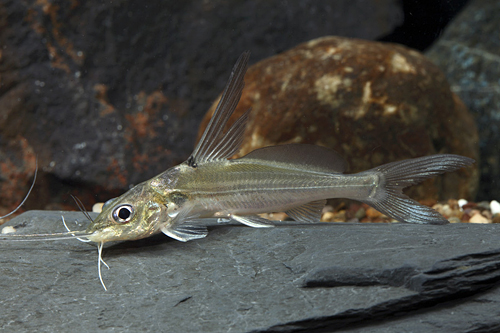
[(388, 197)]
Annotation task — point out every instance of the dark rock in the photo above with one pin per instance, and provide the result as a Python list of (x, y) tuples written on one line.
[(372, 102), (424, 21), (111, 93), (469, 53), (328, 277), (17, 165)]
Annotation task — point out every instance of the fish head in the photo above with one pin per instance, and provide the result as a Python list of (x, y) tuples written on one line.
[(138, 213)]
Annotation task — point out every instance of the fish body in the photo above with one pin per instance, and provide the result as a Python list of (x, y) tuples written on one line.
[(296, 179), (249, 185)]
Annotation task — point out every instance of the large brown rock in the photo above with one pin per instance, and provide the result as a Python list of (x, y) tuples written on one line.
[(372, 102)]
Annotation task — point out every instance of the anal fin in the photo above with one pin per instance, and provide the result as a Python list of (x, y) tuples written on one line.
[(308, 213), (254, 221)]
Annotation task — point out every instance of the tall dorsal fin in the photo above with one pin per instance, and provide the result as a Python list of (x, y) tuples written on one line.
[(213, 143), (310, 157)]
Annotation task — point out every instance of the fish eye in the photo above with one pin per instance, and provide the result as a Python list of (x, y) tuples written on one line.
[(123, 213)]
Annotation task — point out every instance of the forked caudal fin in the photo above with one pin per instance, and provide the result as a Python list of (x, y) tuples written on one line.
[(388, 198)]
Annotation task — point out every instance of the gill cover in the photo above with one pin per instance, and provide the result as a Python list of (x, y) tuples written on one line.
[(136, 214)]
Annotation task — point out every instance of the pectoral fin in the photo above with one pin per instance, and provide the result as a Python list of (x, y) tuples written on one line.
[(186, 232), (254, 221), (308, 213), (185, 226)]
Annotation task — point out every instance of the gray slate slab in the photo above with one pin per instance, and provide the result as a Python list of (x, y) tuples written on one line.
[(324, 277)]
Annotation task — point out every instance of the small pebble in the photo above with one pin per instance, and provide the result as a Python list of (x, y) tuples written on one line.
[(465, 217), (446, 210), (494, 207), (276, 216), (453, 204), (438, 207), (469, 205), (474, 212), (8, 229), (462, 202), (478, 218), (97, 208), (326, 209), (487, 214), (483, 205), (360, 213), (334, 216), (373, 213), (327, 217)]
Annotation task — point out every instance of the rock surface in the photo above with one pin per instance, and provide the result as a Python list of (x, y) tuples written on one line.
[(372, 102), (469, 53), (325, 277), (108, 94), (17, 165)]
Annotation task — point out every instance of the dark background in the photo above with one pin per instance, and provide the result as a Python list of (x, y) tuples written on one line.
[(108, 94)]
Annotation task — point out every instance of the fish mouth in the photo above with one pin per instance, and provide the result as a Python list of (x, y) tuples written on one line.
[(101, 236), (112, 235)]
